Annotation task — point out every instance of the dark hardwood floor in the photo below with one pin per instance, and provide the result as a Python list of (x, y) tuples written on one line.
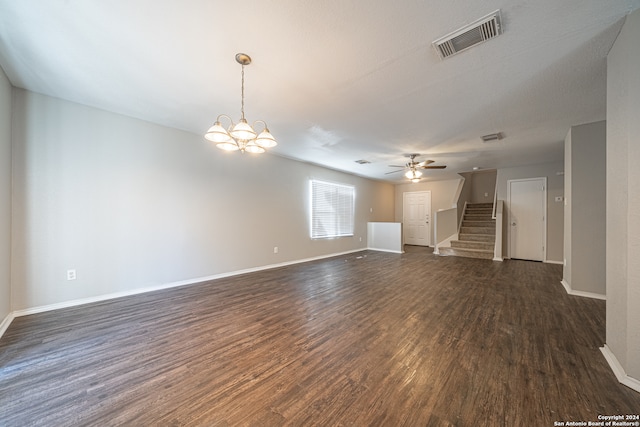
[(366, 339)]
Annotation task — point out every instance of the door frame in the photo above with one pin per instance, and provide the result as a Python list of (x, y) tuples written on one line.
[(404, 199), (544, 210)]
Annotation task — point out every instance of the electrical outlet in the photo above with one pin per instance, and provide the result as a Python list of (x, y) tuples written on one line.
[(71, 275), (275, 249)]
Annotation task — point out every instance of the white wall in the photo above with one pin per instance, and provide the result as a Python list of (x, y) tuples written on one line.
[(442, 195), (623, 198), (585, 212), (131, 205), (555, 210), (5, 197)]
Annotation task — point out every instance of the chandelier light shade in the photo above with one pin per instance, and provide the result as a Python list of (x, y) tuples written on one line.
[(241, 136)]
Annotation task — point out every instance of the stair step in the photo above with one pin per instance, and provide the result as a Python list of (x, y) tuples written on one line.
[(480, 210), (471, 244), (480, 205), (479, 213), (479, 216), (478, 230), (489, 224), (477, 237), (467, 253)]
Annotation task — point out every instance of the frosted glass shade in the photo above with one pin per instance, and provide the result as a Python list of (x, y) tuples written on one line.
[(253, 148), (265, 139), (243, 131), (228, 146), (413, 174), (217, 133)]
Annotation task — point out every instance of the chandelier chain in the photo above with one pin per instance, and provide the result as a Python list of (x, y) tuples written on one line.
[(242, 91)]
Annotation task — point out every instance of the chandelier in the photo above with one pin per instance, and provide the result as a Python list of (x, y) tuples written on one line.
[(240, 136)]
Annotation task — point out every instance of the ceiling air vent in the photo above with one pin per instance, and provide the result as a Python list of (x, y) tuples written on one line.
[(492, 137), (483, 29)]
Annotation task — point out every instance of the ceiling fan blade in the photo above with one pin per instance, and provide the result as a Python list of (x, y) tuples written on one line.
[(395, 166), (425, 163), (399, 170), (433, 167)]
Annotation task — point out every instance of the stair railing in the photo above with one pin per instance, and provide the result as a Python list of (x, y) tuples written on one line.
[(495, 199), (497, 248), (464, 212)]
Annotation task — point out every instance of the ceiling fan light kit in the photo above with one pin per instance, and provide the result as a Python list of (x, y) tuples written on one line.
[(413, 172), (241, 136)]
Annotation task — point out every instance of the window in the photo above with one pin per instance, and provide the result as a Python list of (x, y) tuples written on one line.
[(331, 209)]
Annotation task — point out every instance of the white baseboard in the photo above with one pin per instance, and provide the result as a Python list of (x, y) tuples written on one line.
[(498, 259), (618, 370), (570, 291), (549, 261), (5, 324), (105, 297)]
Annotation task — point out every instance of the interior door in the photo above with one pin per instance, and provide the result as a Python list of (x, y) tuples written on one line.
[(416, 218), (527, 199)]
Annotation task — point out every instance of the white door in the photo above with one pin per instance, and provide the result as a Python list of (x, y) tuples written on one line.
[(527, 199), (416, 218)]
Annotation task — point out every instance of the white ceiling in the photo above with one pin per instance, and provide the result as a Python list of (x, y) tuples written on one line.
[(336, 80)]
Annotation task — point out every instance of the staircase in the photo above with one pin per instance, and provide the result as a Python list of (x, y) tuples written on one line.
[(477, 234)]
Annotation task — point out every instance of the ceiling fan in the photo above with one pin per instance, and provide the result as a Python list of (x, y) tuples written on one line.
[(413, 168)]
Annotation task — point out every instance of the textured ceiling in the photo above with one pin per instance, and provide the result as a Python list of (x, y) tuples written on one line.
[(337, 81)]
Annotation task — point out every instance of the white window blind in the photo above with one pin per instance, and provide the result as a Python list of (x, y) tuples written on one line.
[(331, 209)]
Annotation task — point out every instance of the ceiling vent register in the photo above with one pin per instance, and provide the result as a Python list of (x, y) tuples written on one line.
[(477, 32), (492, 137)]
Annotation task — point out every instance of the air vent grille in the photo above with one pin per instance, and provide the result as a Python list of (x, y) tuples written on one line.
[(483, 29), (492, 137)]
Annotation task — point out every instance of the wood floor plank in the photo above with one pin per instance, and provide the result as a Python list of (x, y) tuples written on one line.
[(362, 339)]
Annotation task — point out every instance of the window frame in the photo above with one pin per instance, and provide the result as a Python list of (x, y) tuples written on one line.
[(335, 216)]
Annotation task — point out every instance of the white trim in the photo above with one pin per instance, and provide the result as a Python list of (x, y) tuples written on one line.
[(567, 287), (618, 370), (76, 302), (5, 324), (548, 261), (499, 217)]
